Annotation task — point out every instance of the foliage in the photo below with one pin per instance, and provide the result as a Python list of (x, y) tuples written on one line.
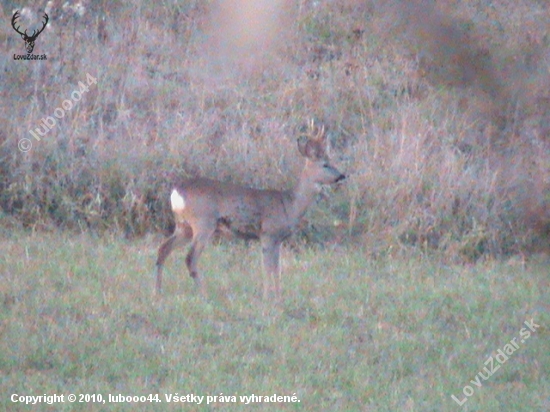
[(440, 116)]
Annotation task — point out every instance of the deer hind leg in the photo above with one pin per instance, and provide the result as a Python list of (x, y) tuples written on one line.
[(182, 235), (200, 240), (271, 250)]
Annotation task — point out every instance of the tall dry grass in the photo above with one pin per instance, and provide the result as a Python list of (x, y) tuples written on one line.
[(439, 116)]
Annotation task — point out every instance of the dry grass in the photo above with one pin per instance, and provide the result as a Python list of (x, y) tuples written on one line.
[(440, 116)]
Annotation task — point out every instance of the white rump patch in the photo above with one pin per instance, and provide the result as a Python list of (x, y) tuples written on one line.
[(177, 200)]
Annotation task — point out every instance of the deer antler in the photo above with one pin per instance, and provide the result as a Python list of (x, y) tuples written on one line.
[(34, 32), (14, 18), (320, 134), (35, 35)]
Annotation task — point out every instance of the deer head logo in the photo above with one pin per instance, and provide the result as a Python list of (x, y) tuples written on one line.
[(29, 40)]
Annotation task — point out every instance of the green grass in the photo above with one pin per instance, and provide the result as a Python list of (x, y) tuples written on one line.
[(397, 334)]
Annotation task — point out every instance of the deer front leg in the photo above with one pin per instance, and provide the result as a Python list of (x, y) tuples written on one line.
[(271, 250)]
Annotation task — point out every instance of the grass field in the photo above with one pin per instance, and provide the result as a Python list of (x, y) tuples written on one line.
[(353, 334)]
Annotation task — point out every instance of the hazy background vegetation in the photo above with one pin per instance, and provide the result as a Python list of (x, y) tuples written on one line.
[(438, 111)]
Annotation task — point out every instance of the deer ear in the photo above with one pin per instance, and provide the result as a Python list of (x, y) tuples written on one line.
[(303, 145), (311, 148)]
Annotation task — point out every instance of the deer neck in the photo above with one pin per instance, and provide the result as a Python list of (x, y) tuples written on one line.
[(303, 196)]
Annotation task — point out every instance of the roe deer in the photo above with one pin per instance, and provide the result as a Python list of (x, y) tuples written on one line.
[(201, 206)]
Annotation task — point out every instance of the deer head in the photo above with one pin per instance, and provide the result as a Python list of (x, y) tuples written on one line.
[(29, 40)]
